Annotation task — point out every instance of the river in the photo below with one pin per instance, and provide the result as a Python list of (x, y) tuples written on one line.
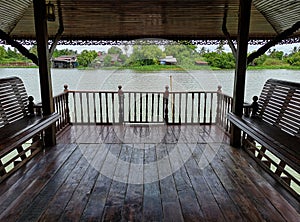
[(196, 80)]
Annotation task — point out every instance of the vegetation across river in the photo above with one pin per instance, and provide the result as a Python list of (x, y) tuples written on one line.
[(147, 57)]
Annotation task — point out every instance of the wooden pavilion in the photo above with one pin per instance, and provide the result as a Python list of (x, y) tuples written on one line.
[(61, 185)]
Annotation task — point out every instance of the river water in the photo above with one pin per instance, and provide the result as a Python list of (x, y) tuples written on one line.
[(196, 80)]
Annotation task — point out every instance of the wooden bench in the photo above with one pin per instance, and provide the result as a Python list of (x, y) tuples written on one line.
[(18, 124), (273, 136)]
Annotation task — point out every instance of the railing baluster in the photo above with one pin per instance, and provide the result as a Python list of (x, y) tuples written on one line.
[(113, 106), (211, 108), (146, 107), (158, 104), (205, 103), (141, 107), (135, 107), (173, 107), (129, 107), (101, 107), (106, 103), (199, 105), (152, 107), (180, 98), (192, 116), (186, 105), (95, 110), (88, 106), (75, 110)]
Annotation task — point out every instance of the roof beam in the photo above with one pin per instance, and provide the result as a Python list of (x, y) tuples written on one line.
[(59, 31), (284, 35), (18, 46), (226, 33)]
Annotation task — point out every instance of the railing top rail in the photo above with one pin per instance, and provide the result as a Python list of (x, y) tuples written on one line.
[(104, 91)]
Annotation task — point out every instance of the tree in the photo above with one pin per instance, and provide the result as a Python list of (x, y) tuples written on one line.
[(86, 57), (3, 53), (62, 52), (294, 59), (223, 60), (184, 54), (107, 60), (114, 50), (144, 54)]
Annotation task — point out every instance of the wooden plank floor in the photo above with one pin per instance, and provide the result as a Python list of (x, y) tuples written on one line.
[(143, 173)]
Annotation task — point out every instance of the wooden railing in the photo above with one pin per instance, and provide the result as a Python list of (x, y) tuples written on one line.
[(118, 107), (61, 105), (224, 106)]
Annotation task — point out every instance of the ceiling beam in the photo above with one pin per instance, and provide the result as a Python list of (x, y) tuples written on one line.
[(284, 35), (18, 46)]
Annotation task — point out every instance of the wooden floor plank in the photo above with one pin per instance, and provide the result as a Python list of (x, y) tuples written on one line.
[(281, 204), (191, 210), (152, 207), (62, 183), (115, 199), (97, 199), (209, 206), (170, 200), (133, 204), (79, 198), (21, 196), (167, 173)]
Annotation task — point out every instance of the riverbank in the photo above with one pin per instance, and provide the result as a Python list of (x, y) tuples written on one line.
[(155, 68)]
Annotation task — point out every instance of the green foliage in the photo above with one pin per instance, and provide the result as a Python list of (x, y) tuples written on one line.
[(3, 53), (86, 57), (185, 55), (115, 50), (62, 52), (274, 62), (220, 60), (145, 55), (294, 59), (260, 60), (107, 61)]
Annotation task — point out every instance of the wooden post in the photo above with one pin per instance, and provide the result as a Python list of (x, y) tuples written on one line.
[(66, 91), (165, 105), (241, 66), (219, 105), (41, 31), (121, 104)]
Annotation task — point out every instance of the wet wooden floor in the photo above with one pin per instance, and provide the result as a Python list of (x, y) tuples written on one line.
[(143, 173)]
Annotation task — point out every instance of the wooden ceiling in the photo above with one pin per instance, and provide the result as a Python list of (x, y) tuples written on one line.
[(167, 19)]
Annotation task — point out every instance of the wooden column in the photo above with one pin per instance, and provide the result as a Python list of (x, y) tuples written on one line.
[(241, 66), (40, 19)]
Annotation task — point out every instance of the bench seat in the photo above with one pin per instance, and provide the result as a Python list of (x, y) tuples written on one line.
[(282, 144), (272, 135), (18, 125), (22, 130)]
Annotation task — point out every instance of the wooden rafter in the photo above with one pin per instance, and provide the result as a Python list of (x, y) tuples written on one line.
[(284, 35), (18, 46)]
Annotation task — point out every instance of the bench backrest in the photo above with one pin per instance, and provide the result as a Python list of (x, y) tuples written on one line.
[(13, 100), (279, 105)]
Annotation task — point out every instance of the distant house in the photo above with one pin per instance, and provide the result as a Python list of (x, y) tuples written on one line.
[(99, 61), (201, 63), (65, 61), (168, 60)]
